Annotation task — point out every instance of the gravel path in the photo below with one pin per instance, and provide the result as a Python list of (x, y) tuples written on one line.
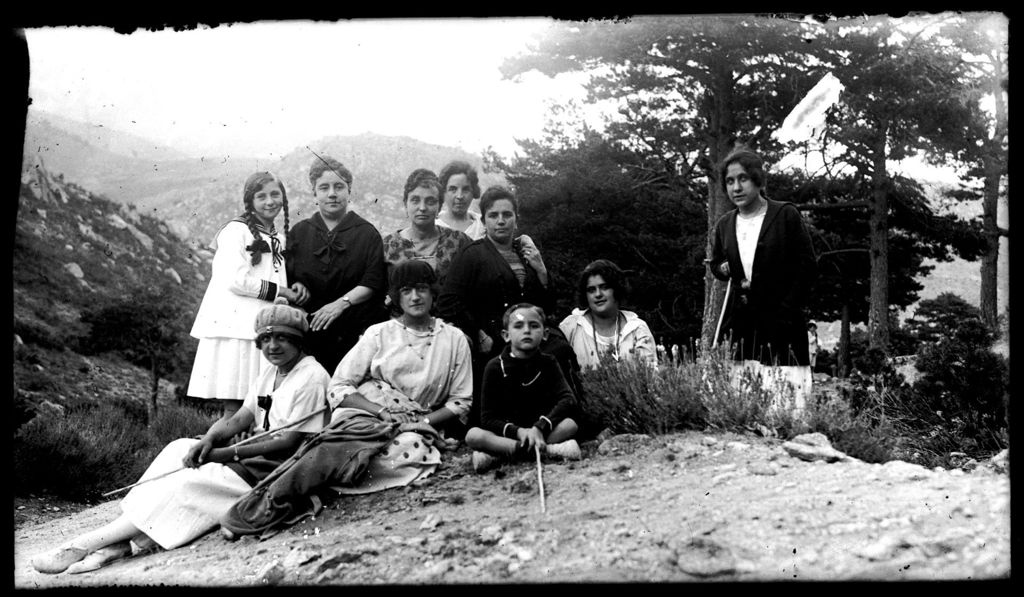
[(676, 508)]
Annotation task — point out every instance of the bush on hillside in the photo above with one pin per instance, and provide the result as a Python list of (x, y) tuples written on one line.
[(862, 435), (630, 397), (93, 450), (960, 402), (78, 456)]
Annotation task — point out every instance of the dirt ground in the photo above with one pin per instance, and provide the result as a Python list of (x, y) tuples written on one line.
[(686, 507)]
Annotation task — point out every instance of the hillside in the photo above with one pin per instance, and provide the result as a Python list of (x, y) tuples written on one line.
[(195, 196), (74, 251)]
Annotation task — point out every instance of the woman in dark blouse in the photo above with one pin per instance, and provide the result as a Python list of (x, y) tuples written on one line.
[(336, 264), (487, 277)]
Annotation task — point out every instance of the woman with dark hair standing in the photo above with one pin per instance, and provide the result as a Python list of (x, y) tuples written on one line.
[(460, 185), (423, 240), (763, 249), (488, 276), (248, 274), (335, 260), (600, 326)]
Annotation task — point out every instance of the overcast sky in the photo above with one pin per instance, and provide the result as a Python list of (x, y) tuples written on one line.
[(264, 89)]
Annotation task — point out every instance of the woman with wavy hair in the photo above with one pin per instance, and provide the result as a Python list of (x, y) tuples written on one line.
[(423, 240), (248, 274), (335, 260)]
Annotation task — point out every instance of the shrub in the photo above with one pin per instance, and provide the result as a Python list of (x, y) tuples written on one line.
[(91, 451), (630, 397), (735, 396), (864, 435), (78, 456)]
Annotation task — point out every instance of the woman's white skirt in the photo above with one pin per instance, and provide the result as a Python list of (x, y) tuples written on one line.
[(224, 368), (186, 504)]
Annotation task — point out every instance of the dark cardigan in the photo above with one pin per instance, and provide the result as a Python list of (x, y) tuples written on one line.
[(481, 286), (767, 321), (524, 392)]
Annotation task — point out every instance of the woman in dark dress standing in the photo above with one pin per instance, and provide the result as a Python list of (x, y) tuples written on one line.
[(764, 248), (335, 261), (487, 277)]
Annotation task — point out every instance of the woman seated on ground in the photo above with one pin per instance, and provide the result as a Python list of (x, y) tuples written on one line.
[(603, 327), (394, 395), (194, 482), (423, 239)]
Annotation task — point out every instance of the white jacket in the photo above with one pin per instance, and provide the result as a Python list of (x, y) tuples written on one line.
[(237, 289), (635, 338)]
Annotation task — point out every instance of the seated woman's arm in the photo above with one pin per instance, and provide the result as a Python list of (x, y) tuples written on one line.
[(460, 397), (353, 369)]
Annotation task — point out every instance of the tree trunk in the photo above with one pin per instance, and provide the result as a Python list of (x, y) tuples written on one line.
[(990, 258), (720, 142), (843, 357), (155, 380), (994, 168), (878, 312)]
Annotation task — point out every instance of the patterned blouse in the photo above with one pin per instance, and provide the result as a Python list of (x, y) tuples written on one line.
[(449, 241)]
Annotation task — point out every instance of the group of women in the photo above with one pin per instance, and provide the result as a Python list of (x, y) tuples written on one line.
[(406, 366)]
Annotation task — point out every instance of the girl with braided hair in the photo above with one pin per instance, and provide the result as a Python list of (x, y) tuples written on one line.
[(248, 274)]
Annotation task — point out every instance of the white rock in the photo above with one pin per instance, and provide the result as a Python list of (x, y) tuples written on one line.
[(898, 469), (74, 269), (173, 274), (116, 221), (432, 521), (737, 446)]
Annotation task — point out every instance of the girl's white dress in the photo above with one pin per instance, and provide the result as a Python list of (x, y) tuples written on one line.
[(227, 359)]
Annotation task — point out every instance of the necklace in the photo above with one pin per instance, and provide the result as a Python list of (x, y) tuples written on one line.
[(593, 332), (413, 333), (501, 362)]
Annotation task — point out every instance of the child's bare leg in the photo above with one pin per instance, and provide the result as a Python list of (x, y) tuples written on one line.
[(566, 429), (487, 441)]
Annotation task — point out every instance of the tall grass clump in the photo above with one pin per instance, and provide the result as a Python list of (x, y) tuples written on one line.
[(78, 456), (94, 449), (631, 397), (736, 398)]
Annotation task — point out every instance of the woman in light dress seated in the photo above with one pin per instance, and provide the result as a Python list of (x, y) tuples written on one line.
[(194, 482), (394, 396)]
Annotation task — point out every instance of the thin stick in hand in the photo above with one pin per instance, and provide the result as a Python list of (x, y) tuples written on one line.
[(540, 480), (235, 445)]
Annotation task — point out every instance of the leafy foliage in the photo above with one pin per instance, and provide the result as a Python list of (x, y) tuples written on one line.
[(148, 330), (590, 199)]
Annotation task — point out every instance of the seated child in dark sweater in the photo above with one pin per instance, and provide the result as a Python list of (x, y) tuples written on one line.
[(525, 401)]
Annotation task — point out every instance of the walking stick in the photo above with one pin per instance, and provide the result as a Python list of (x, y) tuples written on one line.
[(235, 445), (540, 480), (725, 303)]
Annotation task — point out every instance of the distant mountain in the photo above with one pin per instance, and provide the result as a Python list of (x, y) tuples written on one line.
[(109, 140), (195, 196)]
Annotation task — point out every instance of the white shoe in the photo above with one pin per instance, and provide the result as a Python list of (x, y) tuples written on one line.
[(482, 461), (567, 450), (58, 559), (101, 557)]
